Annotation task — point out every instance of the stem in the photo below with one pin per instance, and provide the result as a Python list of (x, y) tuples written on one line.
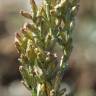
[(48, 15)]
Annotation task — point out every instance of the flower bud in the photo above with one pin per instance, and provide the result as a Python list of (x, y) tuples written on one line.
[(34, 8), (33, 4), (26, 14), (74, 10), (31, 27), (18, 47)]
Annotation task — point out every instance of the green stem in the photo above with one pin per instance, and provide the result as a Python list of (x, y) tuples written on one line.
[(48, 15)]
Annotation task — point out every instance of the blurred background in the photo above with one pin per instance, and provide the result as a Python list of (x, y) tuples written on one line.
[(80, 79)]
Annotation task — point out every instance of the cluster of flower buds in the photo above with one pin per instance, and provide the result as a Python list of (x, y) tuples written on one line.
[(51, 25)]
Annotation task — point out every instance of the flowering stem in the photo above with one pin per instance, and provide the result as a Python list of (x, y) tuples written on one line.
[(42, 68)]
